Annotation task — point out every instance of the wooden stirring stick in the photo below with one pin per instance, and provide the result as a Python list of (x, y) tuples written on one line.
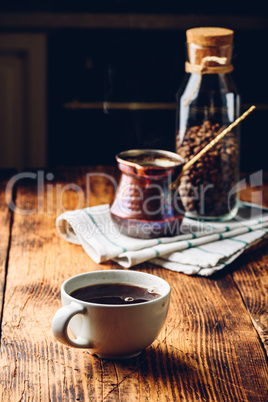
[(174, 184)]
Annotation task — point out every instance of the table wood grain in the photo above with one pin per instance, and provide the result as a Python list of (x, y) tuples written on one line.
[(213, 347)]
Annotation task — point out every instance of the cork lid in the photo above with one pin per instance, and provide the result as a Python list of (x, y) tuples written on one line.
[(210, 36)]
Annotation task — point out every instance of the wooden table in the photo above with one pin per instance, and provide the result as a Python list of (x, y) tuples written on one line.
[(214, 344)]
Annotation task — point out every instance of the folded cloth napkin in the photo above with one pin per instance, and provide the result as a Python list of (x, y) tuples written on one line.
[(202, 247)]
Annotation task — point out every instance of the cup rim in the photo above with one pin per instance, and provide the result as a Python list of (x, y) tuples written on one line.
[(100, 305), (123, 156)]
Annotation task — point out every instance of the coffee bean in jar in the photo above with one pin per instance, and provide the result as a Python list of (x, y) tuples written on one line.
[(207, 103), (206, 187)]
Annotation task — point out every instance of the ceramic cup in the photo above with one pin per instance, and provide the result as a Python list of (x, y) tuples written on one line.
[(111, 331)]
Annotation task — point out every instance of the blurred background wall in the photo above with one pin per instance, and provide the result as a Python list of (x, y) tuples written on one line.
[(82, 81)]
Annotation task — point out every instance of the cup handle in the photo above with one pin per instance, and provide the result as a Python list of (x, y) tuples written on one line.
[(60, 325)]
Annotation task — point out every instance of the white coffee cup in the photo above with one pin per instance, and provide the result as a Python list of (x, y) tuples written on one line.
[(107, 330)]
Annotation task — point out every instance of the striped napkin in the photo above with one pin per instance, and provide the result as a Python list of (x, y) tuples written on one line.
[(202, 248)]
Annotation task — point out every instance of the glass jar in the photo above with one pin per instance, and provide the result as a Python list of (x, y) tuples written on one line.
[(206, 103)]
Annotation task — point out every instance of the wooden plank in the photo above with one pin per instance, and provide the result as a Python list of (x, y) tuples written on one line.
[(252, 281), (252, 276), (139, 106), (34, 365), (5, 225), (208, 350), (134, 21)]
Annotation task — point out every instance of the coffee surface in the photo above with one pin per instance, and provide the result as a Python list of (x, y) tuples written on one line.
[(153, 160), (115, 293)]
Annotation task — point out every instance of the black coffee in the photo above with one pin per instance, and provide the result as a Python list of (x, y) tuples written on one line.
[(114, 293)]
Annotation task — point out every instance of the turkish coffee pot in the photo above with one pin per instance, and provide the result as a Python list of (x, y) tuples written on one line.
[(145, 206)]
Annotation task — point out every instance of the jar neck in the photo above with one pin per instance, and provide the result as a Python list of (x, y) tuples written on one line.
[(214, 55)]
